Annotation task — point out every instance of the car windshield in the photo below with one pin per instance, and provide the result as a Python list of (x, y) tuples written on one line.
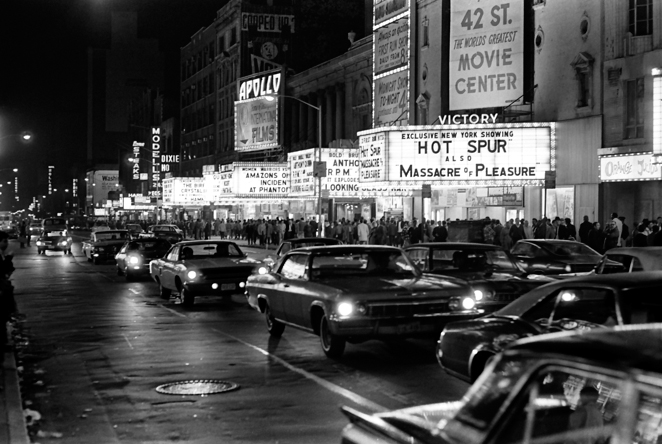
[(112, 235), (368, 263), (162, 228), (211, 250), (51, 222), (472, 260), (570, 249), (149, 246)]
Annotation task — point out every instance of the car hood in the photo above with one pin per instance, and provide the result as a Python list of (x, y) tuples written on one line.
[(380, 285), (107, 243), (498, 331)]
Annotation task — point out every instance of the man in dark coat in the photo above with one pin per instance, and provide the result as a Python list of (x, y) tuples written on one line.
[(584, 228), (440, 232)]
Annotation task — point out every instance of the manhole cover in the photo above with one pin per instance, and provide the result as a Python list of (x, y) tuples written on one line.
[(199, 387)]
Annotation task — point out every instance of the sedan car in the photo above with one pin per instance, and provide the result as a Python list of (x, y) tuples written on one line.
[(104, 245), (135, 255), (632, 259), (54, 241), (35, 227), (351, 293), (600, 386), (495, 277), (579, 303), (171, 233), (135, 230), (193, 268), (553, 257), (291, 244)]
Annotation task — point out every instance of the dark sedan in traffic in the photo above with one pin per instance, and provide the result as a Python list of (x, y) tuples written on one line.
[(555, 257), (135, 255), (352, 293), (578, 303), (493, 274), (589, 387), (300, 242)]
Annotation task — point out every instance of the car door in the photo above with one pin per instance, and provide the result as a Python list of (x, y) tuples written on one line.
[(293, 288), (167, 268), (120, 257)]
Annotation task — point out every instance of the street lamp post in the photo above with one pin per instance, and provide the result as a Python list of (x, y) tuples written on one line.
[(318, 153)]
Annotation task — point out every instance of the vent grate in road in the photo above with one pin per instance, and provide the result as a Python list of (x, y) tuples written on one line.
[(197, 387)]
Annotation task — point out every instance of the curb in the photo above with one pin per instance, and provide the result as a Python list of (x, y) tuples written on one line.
[(12, 421)]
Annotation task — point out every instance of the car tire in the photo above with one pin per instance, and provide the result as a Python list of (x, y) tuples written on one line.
[(332, 345), (188, 298), (164, 292), (274, 327)]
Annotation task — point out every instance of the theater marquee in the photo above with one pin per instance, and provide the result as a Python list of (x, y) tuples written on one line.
[(501, 154)]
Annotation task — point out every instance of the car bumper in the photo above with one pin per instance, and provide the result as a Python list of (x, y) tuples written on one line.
[(397, 327), (54, 247), (217, 287)]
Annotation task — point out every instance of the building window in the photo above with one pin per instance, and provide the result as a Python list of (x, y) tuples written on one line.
[(634, 109), (640, 18), (221, 44), (583, 67), (233, 36)]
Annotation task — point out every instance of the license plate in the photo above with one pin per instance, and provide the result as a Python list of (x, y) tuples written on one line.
[(411, 327), (228, 286)]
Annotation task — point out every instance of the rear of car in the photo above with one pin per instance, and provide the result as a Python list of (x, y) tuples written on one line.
[(134, 257), (55, 225)]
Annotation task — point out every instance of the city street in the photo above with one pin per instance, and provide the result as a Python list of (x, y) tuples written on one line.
[(95, 347)]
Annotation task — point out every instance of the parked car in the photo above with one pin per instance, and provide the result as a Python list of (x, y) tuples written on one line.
[(291, 244), (193, 268), (495, 277), (135, 230), (54, 241), (135, 255), (171, 233), (104, 245), (599, 386), (555, 257), (632, 259), (578, 303), (352, 293)]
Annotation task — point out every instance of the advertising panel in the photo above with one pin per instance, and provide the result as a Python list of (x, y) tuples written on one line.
[(104, 181), (264, 84), (260, 180), (218, 185), (267, 22), (342, 172), (391, 99), (256, 124), (188, 191), (372, 158), (486, 53), (301, 173), (392, 46), (167, 192), (384, 10), (155, 176), (629, 167)]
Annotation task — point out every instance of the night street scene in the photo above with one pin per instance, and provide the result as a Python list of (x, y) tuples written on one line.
[(331, 221)]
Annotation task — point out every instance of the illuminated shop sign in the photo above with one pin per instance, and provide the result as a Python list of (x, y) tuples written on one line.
[(267, 22), (486, 53), (261, 180), (265, 84), (302, 182), (629, 167), (488, 154), (156, 162), (50, 179), (477, 197), (218, 185)]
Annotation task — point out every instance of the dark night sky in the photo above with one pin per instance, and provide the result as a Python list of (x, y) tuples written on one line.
[(43, 71)]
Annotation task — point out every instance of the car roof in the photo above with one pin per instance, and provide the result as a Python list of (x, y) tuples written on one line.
[(456, 246), (111, 232), (204, 242), (547, 241), (650, 257), (636, 346), (303, 240), (347, 248)]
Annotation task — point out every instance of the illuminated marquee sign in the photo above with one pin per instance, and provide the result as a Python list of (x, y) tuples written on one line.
[(260, 180), (256, 124), (495, 154), (392, 46), (218, 184), (50, 179), (342, 172), (486, 53), (629, 167), (267, 22), (184, 191), (137, 146), (265, 84), (384, 10)]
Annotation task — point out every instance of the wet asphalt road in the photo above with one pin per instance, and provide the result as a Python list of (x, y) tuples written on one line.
[(94, 347)]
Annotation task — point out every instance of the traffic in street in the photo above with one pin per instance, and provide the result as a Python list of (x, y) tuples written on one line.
[(95, 347)]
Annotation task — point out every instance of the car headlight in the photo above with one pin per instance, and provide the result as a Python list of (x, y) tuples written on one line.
[(262, 270), (568, 268), (462, 303), (478, 295), (134, 260), (468, 303), (345, 308), (192, 274), (63, 243), (40, 243)]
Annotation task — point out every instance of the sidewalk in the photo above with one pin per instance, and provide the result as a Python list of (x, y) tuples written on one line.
[(13, 429)]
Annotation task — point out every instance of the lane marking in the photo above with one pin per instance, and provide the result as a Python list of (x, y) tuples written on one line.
[(354, 397), (127, 341), (134, 291), (181, 315)]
